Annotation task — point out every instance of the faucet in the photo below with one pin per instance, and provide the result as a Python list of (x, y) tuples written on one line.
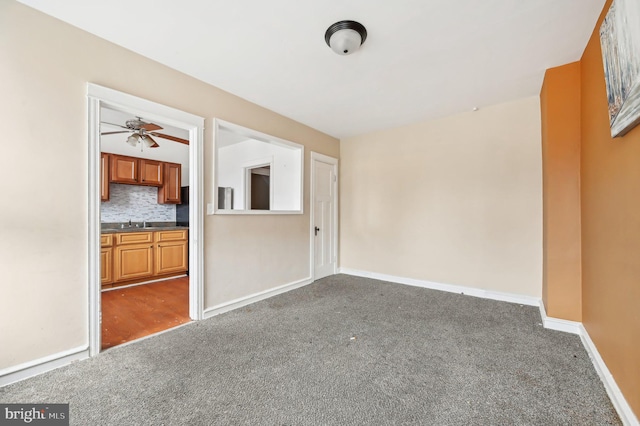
[(129, 223)]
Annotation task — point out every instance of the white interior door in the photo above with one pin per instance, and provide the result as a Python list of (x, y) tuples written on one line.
[(324, 225)]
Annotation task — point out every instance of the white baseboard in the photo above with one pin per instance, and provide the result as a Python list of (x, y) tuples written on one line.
[(450, 288), (617, 399), (558, 324), (42, 365), (256, 297)]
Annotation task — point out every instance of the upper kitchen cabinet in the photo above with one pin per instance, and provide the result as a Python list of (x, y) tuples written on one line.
[(123, 169), (138, 171), (151, 172), (169, 192), (104, 176)]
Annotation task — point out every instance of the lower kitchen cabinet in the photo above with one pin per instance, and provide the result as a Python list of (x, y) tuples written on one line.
[(106, 259), (133, 261), (171, 257), (171, 251), (134, 257)]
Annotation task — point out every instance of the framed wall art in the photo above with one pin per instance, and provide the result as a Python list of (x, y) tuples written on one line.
[(620, 42)]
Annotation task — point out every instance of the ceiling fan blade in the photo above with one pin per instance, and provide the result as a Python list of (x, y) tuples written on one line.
[(171, 138), (113, 124), (113, 133), (149, 127)]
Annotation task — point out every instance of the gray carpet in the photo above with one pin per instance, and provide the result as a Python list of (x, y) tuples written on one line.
[(342, 351)]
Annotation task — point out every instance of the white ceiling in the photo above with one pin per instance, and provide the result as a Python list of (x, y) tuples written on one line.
[(422, 59)]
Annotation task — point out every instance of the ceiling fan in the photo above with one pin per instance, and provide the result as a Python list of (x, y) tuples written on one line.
[(141, 132)]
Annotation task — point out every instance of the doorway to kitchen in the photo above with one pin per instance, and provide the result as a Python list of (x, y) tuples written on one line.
[(145, 220)]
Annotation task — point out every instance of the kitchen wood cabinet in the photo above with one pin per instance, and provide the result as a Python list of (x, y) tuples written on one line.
[(129, 257), (134, 238), (151, 172), (133, 256), (171, 257), (171, 252), (123, 169), (169, 192), (133, 261), (106, 259), (104, 176), (172, 235), (138, 171)]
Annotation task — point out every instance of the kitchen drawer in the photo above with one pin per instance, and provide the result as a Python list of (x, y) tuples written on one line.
[(173, 235), (134, 238), (106, 240)]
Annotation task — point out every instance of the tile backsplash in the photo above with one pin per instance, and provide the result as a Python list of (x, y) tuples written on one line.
[(136, 203)]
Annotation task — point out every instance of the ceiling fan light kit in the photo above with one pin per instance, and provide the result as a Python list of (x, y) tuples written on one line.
[(140, 133), (148, 141), (345, 37), (133, 139)]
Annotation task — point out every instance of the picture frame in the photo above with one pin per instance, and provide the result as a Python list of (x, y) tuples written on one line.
[(620, 42)]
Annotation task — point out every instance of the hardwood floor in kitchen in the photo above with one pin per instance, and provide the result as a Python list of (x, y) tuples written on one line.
[(134, 312)]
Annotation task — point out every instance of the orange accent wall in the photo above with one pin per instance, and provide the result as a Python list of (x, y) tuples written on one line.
[(560, 113), (597, 268), (610, 194)]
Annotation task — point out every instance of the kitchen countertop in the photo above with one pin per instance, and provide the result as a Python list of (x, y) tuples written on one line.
[(114, 228)]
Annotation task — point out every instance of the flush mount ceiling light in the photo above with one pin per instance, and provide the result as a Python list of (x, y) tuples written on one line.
[(345, 37)]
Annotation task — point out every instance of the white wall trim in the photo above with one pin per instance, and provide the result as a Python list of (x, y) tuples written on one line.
[(42, 365), (558, 324), (617, 399), (469, 291), (252, 298)]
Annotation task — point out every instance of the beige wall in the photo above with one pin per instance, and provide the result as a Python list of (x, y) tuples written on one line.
[(44, 67), (454, 201)]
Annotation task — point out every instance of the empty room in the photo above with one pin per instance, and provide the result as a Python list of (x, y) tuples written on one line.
[(320, 212)]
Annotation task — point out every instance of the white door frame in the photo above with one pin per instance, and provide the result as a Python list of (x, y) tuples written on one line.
[(312, 199), (97, 97), (254, 164)]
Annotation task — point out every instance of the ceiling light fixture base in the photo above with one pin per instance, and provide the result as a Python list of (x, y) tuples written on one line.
[(345, 37)]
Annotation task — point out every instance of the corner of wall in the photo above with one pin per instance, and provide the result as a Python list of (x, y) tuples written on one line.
[(561, 138)]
